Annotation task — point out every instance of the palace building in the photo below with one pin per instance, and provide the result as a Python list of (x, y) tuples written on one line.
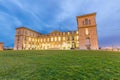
[(85, 37)]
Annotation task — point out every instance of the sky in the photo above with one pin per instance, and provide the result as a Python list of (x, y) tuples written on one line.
[(46, 16)]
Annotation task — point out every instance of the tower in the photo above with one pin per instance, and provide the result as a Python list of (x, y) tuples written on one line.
[(18, 45), (88, 38), (1, 46)]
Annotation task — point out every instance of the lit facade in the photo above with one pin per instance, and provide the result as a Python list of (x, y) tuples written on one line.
[(87, 29), (27, 39), (1, 46)]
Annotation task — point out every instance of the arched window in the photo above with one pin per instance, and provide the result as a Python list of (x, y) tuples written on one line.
[(88, 43)]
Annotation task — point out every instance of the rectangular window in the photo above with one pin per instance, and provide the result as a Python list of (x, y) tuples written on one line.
[(52, 39), (59, 38), (86, 31)]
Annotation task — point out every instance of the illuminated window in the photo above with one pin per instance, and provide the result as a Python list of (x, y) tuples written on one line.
[(32, 39), (48, 39), (64, 33), (41, 40), (55, 38), (52, 39), (44, 40), (59, 38), (86, 31), (68, 33), (76, 32), (77, 37), (36, 40), (63, 38)]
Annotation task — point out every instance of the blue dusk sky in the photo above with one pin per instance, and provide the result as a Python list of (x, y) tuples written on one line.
[(46, 16)]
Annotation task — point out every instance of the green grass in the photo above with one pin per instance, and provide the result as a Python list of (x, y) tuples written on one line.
[(59, 65)]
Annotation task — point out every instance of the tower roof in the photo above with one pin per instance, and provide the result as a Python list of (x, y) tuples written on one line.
[(86, 15)]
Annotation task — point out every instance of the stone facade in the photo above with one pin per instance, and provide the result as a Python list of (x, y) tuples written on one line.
[(88, 38), (83, 38), (1, 46)]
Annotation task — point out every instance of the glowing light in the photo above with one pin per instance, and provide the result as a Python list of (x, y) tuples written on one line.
[(55, 38), (86, 31), (41, 40), (52, 39), (48, 39), (44, 40), (64, 38), (59, 38), (76, 32), (77, 37), (68, 33)]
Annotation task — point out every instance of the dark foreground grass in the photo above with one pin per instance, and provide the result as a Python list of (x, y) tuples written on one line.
[(59, 65)]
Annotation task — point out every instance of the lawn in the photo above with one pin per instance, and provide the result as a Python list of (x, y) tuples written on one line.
[(59, 65)]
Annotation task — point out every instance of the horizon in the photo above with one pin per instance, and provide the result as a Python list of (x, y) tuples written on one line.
[(47, 16)]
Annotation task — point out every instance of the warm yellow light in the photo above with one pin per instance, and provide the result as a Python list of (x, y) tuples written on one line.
[(44, 40), (76, 32), (55, 38), (64, 33), (32, 39), (68, 33), (64, 38), (86, 31), (48, 39), (59, 38), (77, 38), (35, 40), (52, 39), (41, 40), (29, 39)]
